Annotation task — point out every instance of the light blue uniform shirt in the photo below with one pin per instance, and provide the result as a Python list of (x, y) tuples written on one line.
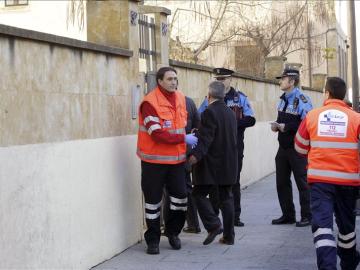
[(297, 103), (238, 99)]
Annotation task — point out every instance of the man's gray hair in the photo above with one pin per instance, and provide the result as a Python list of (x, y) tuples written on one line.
[(217, 90)]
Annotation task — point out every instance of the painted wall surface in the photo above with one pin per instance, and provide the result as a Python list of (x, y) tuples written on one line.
[(68, 205), (43, 16)]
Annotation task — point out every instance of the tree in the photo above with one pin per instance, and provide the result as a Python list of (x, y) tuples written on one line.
[(267, 24), (76, 11)]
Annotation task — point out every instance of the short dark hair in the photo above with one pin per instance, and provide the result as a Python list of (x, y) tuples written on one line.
[(296, 80), (336, 87), (161, 72)]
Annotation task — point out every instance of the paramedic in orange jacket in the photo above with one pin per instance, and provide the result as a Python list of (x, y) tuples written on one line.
[(161, 147), (329, 136)]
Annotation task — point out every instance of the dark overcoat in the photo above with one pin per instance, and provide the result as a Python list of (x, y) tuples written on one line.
[(216, 150)]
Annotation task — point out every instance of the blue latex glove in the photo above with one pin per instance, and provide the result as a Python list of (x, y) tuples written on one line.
[(191, 139)]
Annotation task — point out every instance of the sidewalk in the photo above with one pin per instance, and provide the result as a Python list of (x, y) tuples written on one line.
[(258, 245)]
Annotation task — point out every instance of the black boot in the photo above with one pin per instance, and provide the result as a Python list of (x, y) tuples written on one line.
[(152, 249), (174, 241)]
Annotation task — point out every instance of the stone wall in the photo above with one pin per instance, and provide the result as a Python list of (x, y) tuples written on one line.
[(70, 193), (63, 93)]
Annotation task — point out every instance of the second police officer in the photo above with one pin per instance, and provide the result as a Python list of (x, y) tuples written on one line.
[(292, 108), (239, 103)]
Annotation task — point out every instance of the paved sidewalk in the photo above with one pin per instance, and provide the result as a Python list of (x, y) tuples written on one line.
[(258, 245)]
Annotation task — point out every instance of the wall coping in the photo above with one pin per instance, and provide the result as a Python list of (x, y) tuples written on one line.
[(311, 89), (236, 74), (210, 69), (62, 41), (145, 9)]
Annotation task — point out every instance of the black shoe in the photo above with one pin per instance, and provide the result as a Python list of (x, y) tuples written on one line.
[(283, 220), (174, 241), (238, 223), (211, 235), (224, 241), (191, 230), (152, 249), (353, 265), (303, 222)]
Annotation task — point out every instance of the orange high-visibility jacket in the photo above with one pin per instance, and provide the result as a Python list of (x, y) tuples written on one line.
[(172, 120), (334, 144)]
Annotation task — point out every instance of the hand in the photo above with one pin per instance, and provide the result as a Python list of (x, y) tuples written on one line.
[(282, 127), (191, 140), (274, 126), (192, 160)]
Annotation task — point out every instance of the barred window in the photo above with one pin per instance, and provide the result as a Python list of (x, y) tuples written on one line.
[(10, 3)]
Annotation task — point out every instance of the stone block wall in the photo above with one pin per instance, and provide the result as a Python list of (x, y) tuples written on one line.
[(70, 181)]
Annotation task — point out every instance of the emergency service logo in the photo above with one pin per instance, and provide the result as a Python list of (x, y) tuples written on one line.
[(332, 123)]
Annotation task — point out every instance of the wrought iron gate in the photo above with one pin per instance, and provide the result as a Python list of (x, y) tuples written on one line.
[(147, 49)]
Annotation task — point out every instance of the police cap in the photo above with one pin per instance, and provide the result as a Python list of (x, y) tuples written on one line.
[(288, 72), (222, 72)]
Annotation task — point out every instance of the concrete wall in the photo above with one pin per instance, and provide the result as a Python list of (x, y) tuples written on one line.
[(260, 142), (68, 205), (70, 193)]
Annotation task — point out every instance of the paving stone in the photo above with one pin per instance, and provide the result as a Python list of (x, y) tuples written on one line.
[(258, 246)]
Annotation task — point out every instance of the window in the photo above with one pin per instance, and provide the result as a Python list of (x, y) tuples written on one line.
[(11, 3)]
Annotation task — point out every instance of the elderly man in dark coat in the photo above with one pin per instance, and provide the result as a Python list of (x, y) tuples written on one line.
[(216, 165)]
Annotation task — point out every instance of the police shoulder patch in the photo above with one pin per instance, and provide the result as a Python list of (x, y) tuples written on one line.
[(303, 98)]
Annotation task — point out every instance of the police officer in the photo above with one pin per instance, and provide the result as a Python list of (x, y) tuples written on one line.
[(162, 149), (239, 103), (329, 136), (292, 108)]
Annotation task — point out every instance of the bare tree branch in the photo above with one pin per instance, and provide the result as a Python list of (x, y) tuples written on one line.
[(76, 10), (275, 32), (206, 42), (296, 26)]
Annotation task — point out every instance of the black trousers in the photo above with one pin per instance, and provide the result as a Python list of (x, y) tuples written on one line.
[(287, 161), (236, 189), (207, 214), (192, 219), (154, 177)]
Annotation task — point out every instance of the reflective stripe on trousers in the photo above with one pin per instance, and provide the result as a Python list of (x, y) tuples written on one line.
[(178, 204), (152, 211)]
